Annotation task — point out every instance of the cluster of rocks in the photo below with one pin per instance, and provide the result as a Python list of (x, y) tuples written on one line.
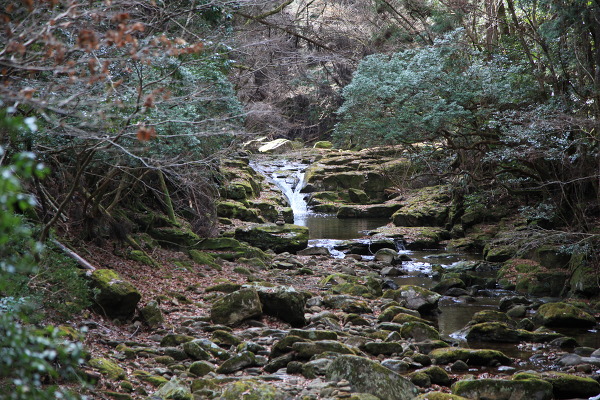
[(303, 326), (275, 341)]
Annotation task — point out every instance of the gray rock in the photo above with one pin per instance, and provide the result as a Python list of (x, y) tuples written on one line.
[(238, 362), (498, 389), (174, 389), (367, 376), (236, 307), (391, 271), (396, 365), (283, 302)]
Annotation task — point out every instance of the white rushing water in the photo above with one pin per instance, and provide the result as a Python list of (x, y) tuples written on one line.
[(289, 178)]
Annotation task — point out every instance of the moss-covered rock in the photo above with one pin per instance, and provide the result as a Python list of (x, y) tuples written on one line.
[(563, 315), (498, 389), (323, 144), (415, 298), (108, 368), (470, 356), (419, 331), (175, 339), (204, 258), (202, 349), (448, 283), (385, 348), (152, 315), (114, 297), (225, 338), (236, 307), (530, 277), (154, 380), (389, 313), (225, 287), (424, 207), (284, 345), (306, 350), (489, 316), (569, 386), (175, 389), (174, 237), (279, 238), (237, 362), (283, 302), (237, 210), (367, 376), (251, 390), (437, 375)]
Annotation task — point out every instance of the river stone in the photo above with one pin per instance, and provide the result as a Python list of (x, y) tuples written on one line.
[(367, 376), (415, 298), (108, 368), (283, 302), (202, 349), (175, 339), (450, 283), (201, 368), (238, 362), (489, 316), (389, 313), (314, 334), (396, 365), (492, 332), (386, 255), (306, 350), (314, 251), (175, 389), (483, 357), (114, 297), (235, 307), (313, 368), (251, 390), (569, 386), (152, 315), (279, 238), (437, 375), (563, 315), (498, 389), (418, 331), (385, 348)]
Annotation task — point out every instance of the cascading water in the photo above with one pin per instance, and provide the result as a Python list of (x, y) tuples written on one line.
[(289, 178)]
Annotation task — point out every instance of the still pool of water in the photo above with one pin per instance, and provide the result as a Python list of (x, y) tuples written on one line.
[(326, 226)]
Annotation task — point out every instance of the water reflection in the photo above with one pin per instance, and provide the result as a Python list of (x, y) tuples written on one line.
[(324, 226)]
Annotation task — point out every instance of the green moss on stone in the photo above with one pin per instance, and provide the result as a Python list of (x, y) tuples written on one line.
[(108, 368)]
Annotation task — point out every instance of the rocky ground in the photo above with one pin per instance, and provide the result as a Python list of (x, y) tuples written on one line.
[(222, 318)]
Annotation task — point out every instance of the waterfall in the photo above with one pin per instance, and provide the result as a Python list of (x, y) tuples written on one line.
[(289, 178)]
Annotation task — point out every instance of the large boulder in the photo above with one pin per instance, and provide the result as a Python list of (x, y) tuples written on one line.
[(236, 307), (499, 389), (368, 376), (569, 386), (283, 302), (425, 207), (563, 315), (114, 297), (279, 238), (415, 298)]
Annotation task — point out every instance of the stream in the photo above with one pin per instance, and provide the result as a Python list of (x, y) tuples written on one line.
[(328, 231)]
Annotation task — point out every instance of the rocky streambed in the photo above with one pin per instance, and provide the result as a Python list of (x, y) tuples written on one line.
[(260, 314)]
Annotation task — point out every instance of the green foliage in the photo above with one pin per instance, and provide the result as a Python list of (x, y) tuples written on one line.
[(445, 91), (32, 362)]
